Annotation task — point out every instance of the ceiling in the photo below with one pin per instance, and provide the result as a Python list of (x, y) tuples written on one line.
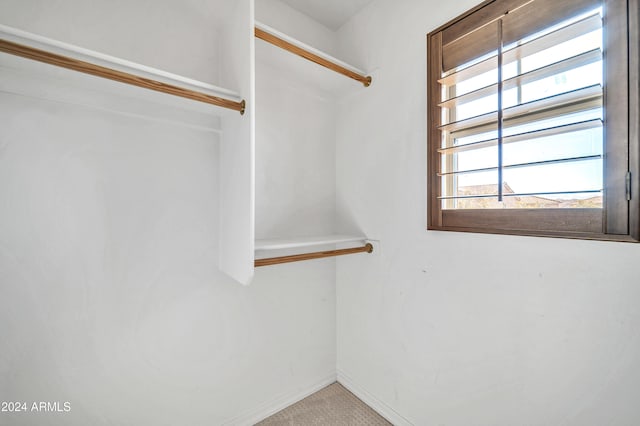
[(330, 13)]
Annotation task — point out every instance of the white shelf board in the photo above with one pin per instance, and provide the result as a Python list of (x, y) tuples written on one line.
[(299, 69), (54, 46), (304, 242), (32, 78), (23, 77)]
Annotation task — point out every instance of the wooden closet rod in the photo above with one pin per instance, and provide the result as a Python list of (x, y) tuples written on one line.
[(111, 74), (283, 44), (368, 248)]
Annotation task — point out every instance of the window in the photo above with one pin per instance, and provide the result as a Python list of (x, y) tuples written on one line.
[(533, 120)]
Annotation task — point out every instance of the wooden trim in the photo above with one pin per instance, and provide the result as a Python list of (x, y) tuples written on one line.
[(547, 234), (549, 221), (434, 119), (368, 248), (479, 43), (297, 50), (452, 37), (616, 116), (634, 117), (619, 220), (111, 74)]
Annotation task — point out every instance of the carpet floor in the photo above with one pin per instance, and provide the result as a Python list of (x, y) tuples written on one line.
[(331, 406)]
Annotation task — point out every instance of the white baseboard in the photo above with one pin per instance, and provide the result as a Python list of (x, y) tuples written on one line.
[(380, 407), (269, 408)]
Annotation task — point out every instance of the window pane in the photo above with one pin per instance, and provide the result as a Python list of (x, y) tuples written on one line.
[(477, 107), (481, 183), (513, 127), (477, 82), (561, 51), (560, 83), (460, 138), (477, 159), (562, 177), (466, 185), (567, 145)]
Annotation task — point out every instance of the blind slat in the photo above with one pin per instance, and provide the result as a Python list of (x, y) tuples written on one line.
[(475, 45), (540, 14), (462, 42), (561, 35), (520, 165), (523, 194), (479, 18), (579, 96), (577, 61), (536, 134)]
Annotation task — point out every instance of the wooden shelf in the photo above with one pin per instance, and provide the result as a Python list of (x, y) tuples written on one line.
[(297, 68)]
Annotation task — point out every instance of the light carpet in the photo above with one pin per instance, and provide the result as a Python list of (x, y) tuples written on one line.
[(331, 406)]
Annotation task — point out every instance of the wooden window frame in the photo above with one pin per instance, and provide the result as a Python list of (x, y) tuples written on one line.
[(616, 221)]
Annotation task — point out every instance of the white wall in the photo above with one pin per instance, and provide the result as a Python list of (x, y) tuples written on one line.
[(110, 296), (295, 182), (456, 329), (165, 39), (295, 158), (284, 18)]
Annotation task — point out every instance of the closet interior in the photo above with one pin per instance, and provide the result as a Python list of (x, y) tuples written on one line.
[(276, 146), (298, 86)]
